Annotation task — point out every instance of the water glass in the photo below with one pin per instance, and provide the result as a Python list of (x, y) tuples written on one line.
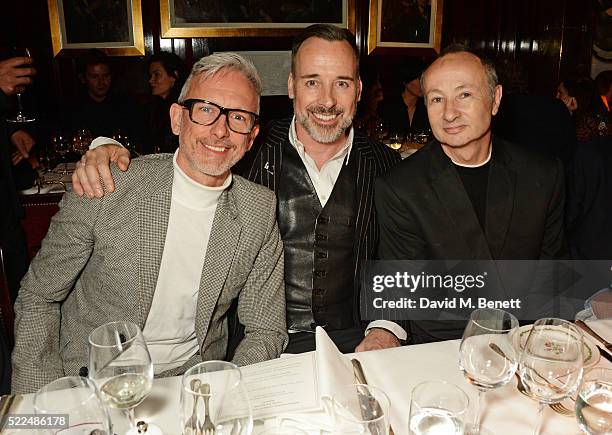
[(360, 409), (214, 400), (594, 402), (438, 407), (76, 398)]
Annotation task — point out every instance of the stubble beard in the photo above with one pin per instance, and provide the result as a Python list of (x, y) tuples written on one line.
[(324, 133), (214, 168)]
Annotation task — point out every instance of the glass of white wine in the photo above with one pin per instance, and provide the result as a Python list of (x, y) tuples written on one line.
[(438, 407), (120, 365), (487, 357), (594, 402)]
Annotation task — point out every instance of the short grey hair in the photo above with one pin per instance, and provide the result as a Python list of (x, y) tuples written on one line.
[(216, 63), (487, 64)]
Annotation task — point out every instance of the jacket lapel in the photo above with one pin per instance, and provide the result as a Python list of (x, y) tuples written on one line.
[(224, 237), (452, 195), (153, 214), (500, 199), (364, 184)]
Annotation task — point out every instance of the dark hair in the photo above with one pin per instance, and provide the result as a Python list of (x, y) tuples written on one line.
[(487, 64), (175, 67), (93, 56), (603, 81), (327, 32), (586, 95)]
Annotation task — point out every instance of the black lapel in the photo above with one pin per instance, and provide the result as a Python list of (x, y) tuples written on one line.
[(500, 198), (364, 195), (454, 198)]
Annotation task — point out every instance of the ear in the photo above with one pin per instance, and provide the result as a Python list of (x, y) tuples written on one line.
[(359, 91), (290, 91), (176, 117), (496, 99), (253, 135)]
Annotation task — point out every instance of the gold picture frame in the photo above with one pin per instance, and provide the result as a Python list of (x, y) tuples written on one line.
[(175, 25), (114, 27), (397, 28)]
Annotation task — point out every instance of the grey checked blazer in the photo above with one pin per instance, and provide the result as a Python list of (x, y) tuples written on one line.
[(100, 261)]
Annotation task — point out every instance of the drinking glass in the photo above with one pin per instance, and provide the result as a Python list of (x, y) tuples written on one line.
[(438, 407), (21, 116), (61, 148), (214, 400), (81, 141), (551, 363), (120, 365), (360, 409), (594, 402), (487, 357), (72, 400)]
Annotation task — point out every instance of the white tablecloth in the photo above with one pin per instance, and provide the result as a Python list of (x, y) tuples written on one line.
[(396, 371)]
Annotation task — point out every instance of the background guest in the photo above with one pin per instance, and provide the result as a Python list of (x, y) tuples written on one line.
[(167, 74), (582, 100), (603, 81)]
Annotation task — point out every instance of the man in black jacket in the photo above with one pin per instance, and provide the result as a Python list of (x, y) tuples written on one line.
[(468, 195)]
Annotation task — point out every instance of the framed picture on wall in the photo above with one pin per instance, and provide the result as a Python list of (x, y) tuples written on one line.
[(414, 25), (210, 18), (114, 26)]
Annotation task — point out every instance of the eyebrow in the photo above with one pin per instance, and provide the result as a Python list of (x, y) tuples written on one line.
[(458, 88), (313, 76)]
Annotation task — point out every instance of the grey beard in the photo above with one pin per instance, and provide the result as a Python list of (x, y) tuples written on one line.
[(324, 134)]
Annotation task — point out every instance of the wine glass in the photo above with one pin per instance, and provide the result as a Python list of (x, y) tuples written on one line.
[(73, 404), (21, 116), (438, 407), (214, 400), (594, 402), (551, 363), (81, 140), (360, 409), (120, 365), (487, 357)]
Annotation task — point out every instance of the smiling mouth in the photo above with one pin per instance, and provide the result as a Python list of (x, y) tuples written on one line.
[(454, 130), (218, 149)]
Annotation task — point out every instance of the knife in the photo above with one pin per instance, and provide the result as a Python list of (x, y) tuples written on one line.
[(594, 334), (360, 376), (604, 353)]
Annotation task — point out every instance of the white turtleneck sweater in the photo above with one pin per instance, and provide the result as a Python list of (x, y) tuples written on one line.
[(170, 327)]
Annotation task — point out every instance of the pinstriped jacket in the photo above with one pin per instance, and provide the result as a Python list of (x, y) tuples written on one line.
[(372, 160), (100, 261)]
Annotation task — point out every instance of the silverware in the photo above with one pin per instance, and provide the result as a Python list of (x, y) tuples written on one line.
[(561, 409), (361, 378), (191, 425), (604, 353), (208, 428), (5, 405), (594, 334)]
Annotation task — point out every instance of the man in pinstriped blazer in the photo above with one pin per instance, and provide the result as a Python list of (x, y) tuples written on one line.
[(170, 250), (323, 173)]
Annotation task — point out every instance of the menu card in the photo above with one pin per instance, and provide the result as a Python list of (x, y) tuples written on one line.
[(298, 383)]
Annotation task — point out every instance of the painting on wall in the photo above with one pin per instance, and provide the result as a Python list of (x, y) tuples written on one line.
[(405, 24), (114, 26), (210, 18)]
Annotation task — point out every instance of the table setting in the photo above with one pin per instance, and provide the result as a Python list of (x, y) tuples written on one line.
[(499, 379)]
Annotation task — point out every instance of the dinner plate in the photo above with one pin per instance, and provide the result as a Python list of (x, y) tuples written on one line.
[(590, 352)]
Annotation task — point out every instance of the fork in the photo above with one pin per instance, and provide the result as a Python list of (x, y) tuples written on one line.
[(191, 426), (208, 428), (560, 408)]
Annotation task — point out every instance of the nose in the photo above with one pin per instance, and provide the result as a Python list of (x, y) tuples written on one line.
[(219, 128), (151, 80), (450, 111), (328, 98)]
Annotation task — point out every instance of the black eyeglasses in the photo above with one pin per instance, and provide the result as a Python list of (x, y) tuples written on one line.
[(206, 113)]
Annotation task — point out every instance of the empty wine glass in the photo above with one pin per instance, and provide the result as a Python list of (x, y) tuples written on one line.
[(438, 407), (21, 116), (72, 403), (214, 400), (120, 365), (61, 147), (81, 140), (594, 402), (360, 409), (551, 362), (487, 357)]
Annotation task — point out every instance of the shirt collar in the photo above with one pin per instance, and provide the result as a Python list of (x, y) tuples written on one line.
[(344, 153)]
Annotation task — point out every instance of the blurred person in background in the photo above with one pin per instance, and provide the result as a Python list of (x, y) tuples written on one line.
[(590, 116), (603, 81), (167, 74)]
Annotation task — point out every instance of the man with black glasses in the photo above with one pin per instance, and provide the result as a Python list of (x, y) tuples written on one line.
[(178, 242)]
